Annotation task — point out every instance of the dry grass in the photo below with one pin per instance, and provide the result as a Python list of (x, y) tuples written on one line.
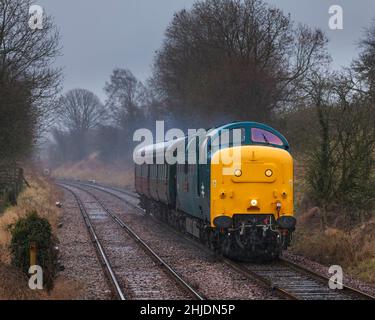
[(330, 247), (66, 289), (119, 174), (364, 270), (41, 197), (13, 285), (354, 249)]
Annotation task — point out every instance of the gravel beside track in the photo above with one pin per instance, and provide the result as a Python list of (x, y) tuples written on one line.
[(208, 275), (139, 276), (323, 270), (78, 256), (307, 282), (294, 277)]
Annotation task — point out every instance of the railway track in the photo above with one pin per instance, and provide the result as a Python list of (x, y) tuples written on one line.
[(297, 283), (99, 248), (285, 278), (95, 212)]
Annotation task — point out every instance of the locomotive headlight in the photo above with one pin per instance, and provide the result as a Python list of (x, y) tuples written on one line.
[(268, 173), (238, 172), (254, 202)]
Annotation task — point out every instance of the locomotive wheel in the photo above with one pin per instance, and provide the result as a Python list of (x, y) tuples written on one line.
[(230, 248)]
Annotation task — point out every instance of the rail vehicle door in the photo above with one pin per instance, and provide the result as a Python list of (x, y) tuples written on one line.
[(158, 181), (172, 184), (145, 180), (203, 179), (136, 175)]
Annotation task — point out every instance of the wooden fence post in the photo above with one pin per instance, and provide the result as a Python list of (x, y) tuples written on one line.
[(33, 254)]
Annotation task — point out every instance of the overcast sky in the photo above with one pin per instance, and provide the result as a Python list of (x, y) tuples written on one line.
[(99, 35)]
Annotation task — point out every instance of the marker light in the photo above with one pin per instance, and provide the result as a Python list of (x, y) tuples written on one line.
[(268, 173), (254, 203), (238, 172)]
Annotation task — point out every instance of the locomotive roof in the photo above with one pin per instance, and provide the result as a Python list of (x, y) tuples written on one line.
[(252, 124), (160, 148)]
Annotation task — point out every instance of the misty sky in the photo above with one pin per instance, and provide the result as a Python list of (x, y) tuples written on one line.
[(99, 35)]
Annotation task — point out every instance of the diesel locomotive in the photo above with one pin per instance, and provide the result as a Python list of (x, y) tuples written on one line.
[(238, 199)]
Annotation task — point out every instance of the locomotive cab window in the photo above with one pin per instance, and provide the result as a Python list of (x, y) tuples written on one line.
[(264, 136), (226, 138), (230, 138)]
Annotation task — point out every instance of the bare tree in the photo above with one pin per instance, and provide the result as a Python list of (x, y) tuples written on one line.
[(81, 110), (28, 82), (365, 64), (125, 97), (236, 59), (17, 123), (25, 54), (341, 166)]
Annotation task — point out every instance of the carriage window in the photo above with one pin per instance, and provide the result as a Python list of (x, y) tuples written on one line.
[(263, 136)]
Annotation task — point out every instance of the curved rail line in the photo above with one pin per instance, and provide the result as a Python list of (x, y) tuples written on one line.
[(100, 251), (287, 279), (169, 270)]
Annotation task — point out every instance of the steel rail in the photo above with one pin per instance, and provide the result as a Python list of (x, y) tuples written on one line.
[(105, 262), (184, 284), (240, 267), (347, 289), (236, 266)]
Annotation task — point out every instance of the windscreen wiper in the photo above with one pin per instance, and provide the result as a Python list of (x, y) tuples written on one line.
[(265, 138)]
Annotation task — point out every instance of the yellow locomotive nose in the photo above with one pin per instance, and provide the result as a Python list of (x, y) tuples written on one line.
[(261, 186)]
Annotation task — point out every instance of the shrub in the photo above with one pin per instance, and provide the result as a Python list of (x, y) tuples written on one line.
[(35, 229), (330, 247)]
